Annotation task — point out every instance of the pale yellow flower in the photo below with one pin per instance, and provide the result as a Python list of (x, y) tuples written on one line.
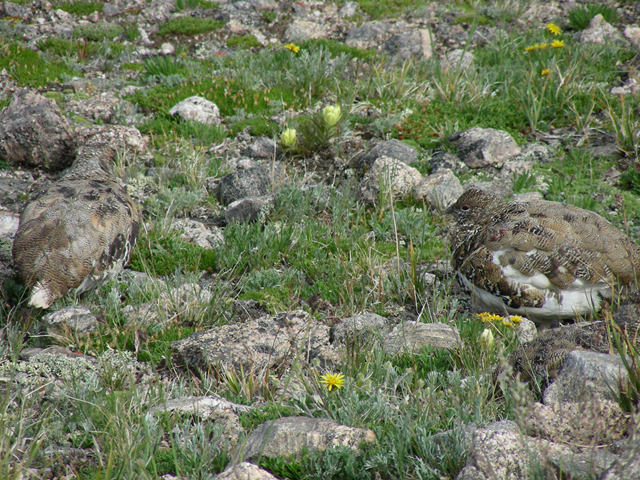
[(294, 48), (557, 43), (546, 71), (515, 318), (331, 114), (332, 380), (486, 339), (288, 137), (553, 28)]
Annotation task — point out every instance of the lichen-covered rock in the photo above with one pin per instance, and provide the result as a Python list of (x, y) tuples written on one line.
[(72, 320), (599, 421), (599, 31), (412, 336), (198, 233), (394, 176), (391, 148), (359, 328), (257, 344), (197, 109), (290, 436), (245, 471), (257, 181), (481, 147), (439, 190), (34, 133), (250, 209)]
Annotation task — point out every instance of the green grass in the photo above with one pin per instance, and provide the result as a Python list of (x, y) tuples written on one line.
[(579, 17), (98, 32), (27, 68), (189, 26), (243, 42), (80, 8)]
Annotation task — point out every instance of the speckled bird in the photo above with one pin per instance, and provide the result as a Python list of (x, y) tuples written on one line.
[(79, 232), (545, 260)]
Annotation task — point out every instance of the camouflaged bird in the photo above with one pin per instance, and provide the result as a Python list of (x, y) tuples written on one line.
[(79, 232), (545, 260)]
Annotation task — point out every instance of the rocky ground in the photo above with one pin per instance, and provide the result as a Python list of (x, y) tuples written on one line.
[(290, 310)]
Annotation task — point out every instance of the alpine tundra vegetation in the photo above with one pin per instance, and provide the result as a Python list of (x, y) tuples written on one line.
[(295, 304)]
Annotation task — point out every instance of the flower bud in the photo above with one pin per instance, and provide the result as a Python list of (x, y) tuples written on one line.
[(486, 339), (288, 137), (331, 114)]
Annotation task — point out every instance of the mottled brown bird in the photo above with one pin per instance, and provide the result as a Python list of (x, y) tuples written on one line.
[(79, 232), (545, 260)]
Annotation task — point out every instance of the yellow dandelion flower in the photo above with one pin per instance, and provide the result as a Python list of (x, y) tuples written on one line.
[(331, 380), (515, 318), (294, 48), (537, 46), (488, 317), (557, 43), (554, 29), (546, 71)]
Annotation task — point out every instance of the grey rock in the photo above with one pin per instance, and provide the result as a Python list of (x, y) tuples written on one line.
[(204, 407), (526, 330), (404, 45), (196, 232), (9, 9), (412, 336), (457, 60), (589, 375), (250, 209), (470, 473), (627, 466), (301, 30), (599, 31), (448, 160), (245, 471), (498, 452), (251, 182), (71, 321), (263, 147), (359, 328), (257, 344), (391, 148), (6, 266), (197, 109), (368, 35), (167, 49), (104, 108), (289, 436), (597, 422), (110, 10), (120, 140), (34, 133), (12, 192), (480, 147), (439, 190), (632, 33), (349, 10), (396, 177)]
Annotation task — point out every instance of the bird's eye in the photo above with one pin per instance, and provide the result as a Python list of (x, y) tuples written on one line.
[(465, 208)]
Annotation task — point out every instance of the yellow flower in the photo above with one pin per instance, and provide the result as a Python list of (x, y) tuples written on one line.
[(557, 43), (288, 137), (332, 380), (553, 28), (546, 71), (294, 48), (515, 318), (486, 339), (331, 114), (537, 46), (488, 317)]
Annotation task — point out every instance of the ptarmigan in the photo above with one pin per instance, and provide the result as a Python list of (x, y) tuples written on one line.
[(79, 232), (545, 260)]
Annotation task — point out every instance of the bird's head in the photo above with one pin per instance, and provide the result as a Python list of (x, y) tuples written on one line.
[(471, 205)]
